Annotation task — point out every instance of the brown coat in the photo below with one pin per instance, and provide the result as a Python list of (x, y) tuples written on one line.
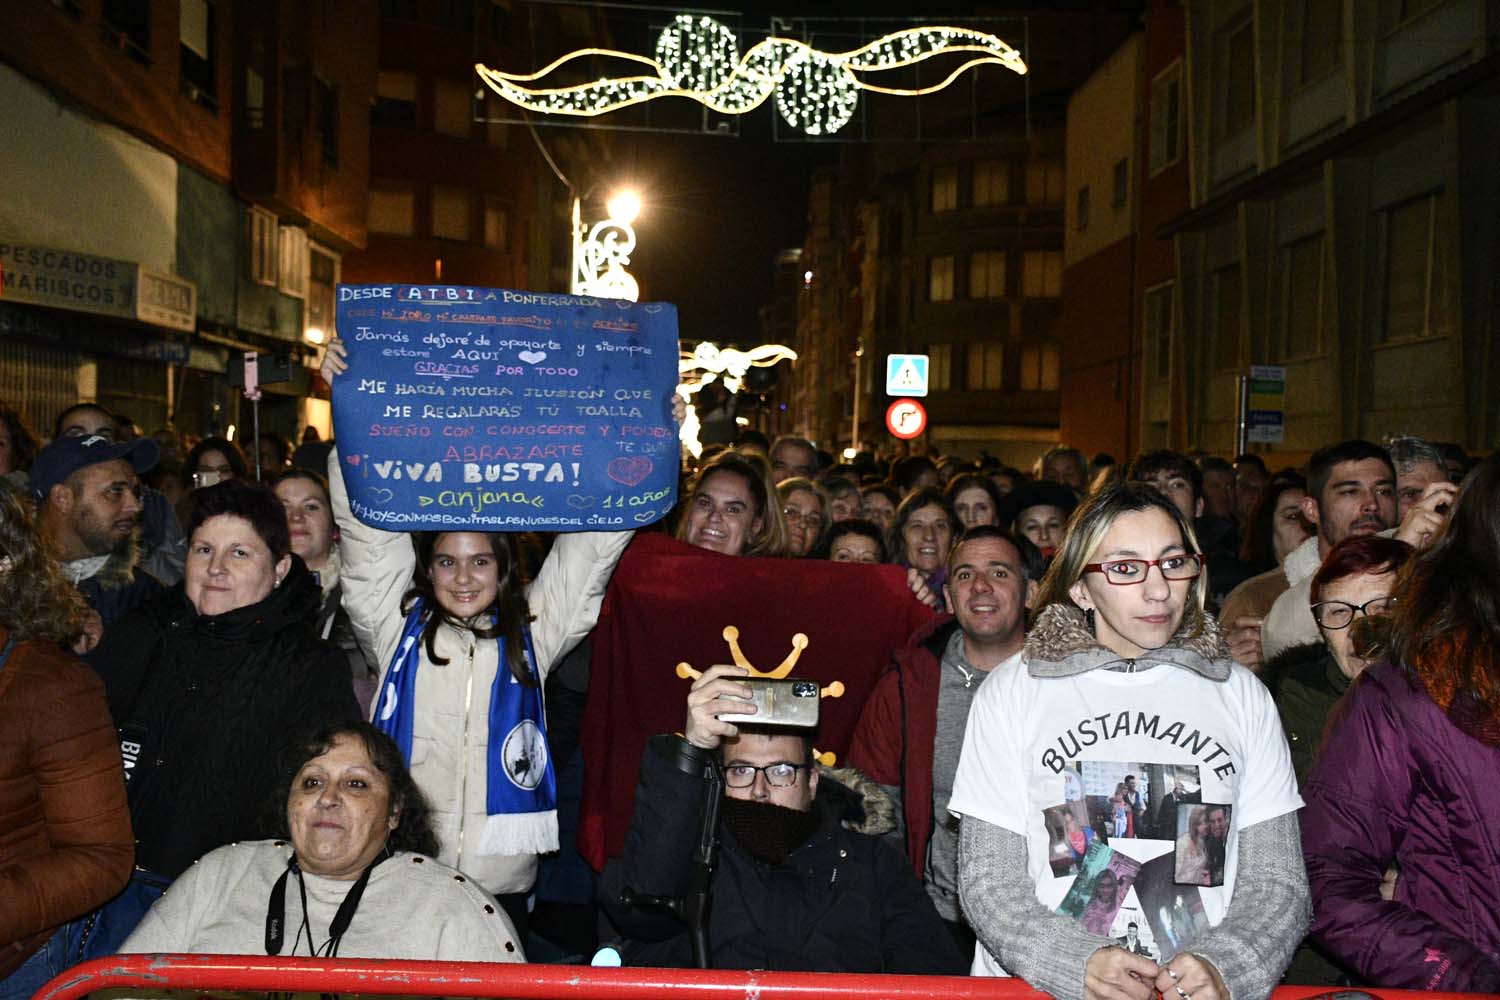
[(1254, 597), (65, 841)]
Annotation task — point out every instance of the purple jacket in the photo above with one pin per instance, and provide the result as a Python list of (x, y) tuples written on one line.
[(1398, 781)]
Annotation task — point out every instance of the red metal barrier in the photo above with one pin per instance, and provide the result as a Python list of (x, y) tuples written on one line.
[(546, 982)]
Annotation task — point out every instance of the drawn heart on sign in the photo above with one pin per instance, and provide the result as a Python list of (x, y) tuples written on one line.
[(382, 495), (578, 502), (352, 459), (655, 307), (623, 304), (629, 470), (644, 517), (533, 357)]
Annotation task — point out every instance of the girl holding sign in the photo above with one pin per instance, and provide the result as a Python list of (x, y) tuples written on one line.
[(465, 646)]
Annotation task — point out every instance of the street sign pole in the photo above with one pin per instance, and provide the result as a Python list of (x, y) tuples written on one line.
[(1242, 414)]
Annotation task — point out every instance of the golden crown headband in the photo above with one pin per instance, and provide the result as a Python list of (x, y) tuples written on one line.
[(799, 643)]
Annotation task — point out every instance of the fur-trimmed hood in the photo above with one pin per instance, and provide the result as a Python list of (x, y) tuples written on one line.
[(1061, 645), (858, 802), (119, 566)]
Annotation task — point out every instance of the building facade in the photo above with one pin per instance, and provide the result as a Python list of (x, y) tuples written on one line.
[(1344, 159), (184, 180), (952, 248)]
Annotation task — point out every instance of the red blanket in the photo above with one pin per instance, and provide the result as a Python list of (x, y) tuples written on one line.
[(669, 603)]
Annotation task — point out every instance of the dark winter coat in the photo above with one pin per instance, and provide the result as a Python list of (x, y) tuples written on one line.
[(206, 705), (1306, 683), (1398, 780), (893, 741), (844, 901), (119, 587)]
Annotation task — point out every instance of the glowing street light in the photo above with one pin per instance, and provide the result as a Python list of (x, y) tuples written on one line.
[(624, 205), (601, 251)]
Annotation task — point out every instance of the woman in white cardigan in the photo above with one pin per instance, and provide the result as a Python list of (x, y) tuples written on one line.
[(464, 648)]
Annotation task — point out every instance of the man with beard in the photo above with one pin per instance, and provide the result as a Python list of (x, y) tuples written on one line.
[(163, 548), (1351, 491), (88, 495), (802, 882), (912, 728)]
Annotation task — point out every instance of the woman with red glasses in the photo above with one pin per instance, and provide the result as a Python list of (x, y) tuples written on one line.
[(1125, 678)]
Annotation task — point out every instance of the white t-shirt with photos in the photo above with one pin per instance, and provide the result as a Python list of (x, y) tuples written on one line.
[(1053, 759)]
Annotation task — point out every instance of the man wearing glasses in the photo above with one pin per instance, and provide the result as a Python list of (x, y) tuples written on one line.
[(802, 882)]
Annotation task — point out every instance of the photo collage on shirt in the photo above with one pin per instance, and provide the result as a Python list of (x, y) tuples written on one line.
[(1104, 801)]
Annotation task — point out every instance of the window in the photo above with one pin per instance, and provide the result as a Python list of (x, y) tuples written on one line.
[(1237, 65), (940, 279), (1226, 300), (255, 99), (395, 100), (1041, 274), (991, 183), (1041, 368), (1158, 329), (1081, 214), (456, 15), (450, 213), (986, 366), (495, 224), (451, 112), (1410, 268), (198, 76), (1302, 297), (1122, 183), (262, 246), (939, 367), (392, 211), (292, 261), (322, 275), (126, 25), (327, 97), (1322, 38), (944, 189), (1166, 118), (1044, 183), (255, 82), (987, 275)]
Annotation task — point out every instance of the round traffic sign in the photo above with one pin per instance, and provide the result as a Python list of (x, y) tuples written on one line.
[(905, 419)]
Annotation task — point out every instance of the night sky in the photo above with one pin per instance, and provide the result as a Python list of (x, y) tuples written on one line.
[(718, 209)]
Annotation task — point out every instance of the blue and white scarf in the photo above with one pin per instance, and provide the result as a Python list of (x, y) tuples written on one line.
[(521, 788)]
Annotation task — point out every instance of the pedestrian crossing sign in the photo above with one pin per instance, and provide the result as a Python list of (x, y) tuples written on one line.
[(906, 374)]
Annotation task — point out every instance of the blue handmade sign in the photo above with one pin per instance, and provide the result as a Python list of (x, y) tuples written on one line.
[(499, 410)]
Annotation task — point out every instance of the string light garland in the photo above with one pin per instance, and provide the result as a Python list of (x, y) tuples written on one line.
[(697, 57), (707, 363)]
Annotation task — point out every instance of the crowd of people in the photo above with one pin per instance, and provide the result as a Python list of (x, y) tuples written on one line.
[(1182, 724)]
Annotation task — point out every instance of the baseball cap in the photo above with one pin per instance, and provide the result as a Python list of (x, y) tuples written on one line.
[(66, 455)]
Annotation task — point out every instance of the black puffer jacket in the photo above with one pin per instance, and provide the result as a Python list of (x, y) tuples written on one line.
[(206, 706), (844, 901), (1306, 684)]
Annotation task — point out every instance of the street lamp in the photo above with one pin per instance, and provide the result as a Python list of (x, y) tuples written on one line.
[(601, 251)]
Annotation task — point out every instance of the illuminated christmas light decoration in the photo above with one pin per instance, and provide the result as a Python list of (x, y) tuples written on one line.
[(709, 362), (600, 256), (699, 58)]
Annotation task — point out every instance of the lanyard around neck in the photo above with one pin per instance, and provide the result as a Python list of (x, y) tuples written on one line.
[(276, 911)]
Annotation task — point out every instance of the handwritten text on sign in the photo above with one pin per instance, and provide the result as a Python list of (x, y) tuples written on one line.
[(502, 410)]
